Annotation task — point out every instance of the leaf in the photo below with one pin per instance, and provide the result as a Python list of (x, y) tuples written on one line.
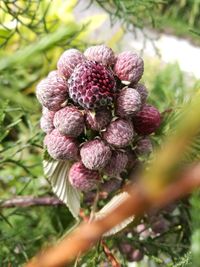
[(168, 127), (43, 45), (184, 261), (57, 174), (110, 206), (3, 130)]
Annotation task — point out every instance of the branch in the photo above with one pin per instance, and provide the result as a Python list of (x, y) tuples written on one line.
[(106, 250), (28, 201), (140, 201), (109, 255)]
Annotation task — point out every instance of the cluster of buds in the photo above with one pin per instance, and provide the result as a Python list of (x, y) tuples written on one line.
[(95, 114), (131, 253), (152, 228)]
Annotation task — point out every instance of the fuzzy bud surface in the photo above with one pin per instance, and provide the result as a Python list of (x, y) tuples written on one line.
[(91, 85), (119, 133), (68, 61), (69, 121), (129, 67), (46, 121), (142, 90), (82, 178), (147, 120), (98, 120), (116, 164), (95, 154), (128, 103), (61, 147), (144, 146), (52, 91), (101, 54)]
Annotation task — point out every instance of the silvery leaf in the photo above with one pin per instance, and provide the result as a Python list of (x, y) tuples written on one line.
[(57, 174), (110, 206)]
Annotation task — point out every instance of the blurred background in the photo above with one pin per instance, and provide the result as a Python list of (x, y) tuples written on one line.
[(33, 34)]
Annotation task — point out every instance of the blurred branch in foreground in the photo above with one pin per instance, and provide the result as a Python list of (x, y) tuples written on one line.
[(157, 187), (88, 234)]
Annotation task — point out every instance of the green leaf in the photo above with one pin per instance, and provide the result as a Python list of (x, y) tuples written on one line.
[(57, 174), (184, 261), (3, 131), (44, 44), (111, 205)]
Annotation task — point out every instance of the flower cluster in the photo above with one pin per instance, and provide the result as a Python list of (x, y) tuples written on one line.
[(95, 113)]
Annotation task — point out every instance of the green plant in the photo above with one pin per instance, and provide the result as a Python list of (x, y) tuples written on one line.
[(31, 46)]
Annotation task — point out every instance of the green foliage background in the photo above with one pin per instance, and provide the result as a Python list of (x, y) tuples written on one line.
[(32, 36)]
